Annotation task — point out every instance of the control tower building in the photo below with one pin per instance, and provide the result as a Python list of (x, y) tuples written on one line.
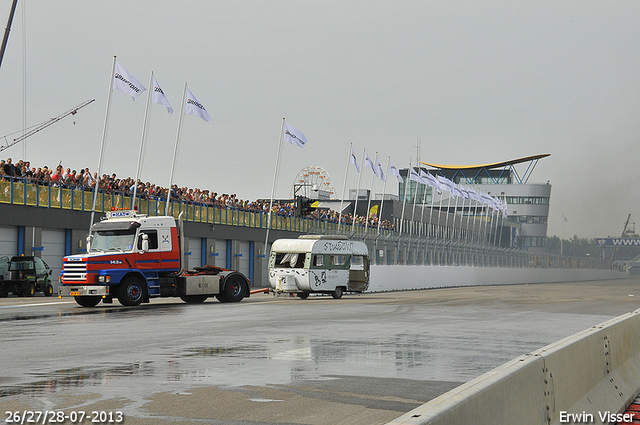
[(528, 203)]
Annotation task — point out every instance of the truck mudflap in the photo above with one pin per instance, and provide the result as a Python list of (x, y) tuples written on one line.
[(83, 290)]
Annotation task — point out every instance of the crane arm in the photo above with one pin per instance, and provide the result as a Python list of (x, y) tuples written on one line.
[(625, 226), (46, 124)]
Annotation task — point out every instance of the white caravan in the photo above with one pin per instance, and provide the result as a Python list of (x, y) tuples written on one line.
[(318, 263)]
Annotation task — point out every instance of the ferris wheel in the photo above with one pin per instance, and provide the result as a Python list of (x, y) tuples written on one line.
[(313, 182)]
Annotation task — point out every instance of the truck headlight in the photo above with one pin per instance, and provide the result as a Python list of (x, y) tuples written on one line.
[(104, 279)]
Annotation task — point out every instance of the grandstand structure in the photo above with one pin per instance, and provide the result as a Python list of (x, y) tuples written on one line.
[(51, 221), (528, 203)]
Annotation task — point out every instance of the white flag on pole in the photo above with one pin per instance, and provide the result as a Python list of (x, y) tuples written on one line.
[(394, 172), (369, 163), (413, 175), (353, 159), (381, 173), (126, 82), (430, 180), (446, 184), (157, 96), (194, 107), (293, 136)]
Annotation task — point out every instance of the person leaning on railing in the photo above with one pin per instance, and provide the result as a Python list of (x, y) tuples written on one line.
[(109, 183)]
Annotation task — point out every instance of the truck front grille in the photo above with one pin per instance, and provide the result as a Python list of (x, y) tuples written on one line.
[(74, 271)]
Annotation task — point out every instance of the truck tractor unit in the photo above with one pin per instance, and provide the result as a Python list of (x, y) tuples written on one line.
[(133, 257)]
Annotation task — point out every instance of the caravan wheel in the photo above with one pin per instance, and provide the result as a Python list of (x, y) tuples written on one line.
[(337, 294)]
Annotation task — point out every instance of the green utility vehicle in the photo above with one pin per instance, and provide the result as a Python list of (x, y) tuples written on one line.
[(24, 276)]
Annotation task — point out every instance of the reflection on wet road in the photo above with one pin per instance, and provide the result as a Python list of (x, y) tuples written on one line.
[(375, 346)]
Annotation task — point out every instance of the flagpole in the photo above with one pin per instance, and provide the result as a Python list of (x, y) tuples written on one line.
[(446, 220), (344, 186), (502, 224), (475, 213), (384, 188), (273, 187), (102, 143), (355, 204), (366, 226), (175, 149), (455, 213), (481, 224), (469, 213), (144, 133), (424, 202), (495, 231), (404, 200), (415, 196), (440, 204), (564, 220), (434, 191), (485, 238)]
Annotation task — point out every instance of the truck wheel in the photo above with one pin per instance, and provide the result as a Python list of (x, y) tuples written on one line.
[(303, 295), (87, 301), (131, 292), (234, 288), (30, 291), (337, 294), (48, 290), (194, 299), (222, 298)]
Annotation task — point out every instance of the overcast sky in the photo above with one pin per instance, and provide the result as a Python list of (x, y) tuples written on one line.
[(471, 82)]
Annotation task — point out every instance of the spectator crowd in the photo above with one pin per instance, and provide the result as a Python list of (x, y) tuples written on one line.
[(61, 177)]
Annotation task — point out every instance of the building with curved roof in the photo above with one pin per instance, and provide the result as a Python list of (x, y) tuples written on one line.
[(528, 203)]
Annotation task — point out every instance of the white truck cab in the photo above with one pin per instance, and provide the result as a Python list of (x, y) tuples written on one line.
[(318, 263)]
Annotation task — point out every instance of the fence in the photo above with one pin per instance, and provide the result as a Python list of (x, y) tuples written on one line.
[(419, 243)]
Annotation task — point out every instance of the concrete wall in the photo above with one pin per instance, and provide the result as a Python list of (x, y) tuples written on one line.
[(397, 278), (590, 373), (34, 221)]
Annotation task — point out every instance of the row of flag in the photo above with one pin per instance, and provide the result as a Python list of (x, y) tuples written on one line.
[(128, 84), (441, 183), (377, 169)]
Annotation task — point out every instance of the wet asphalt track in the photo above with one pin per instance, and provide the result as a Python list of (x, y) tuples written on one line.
[(364, 359)]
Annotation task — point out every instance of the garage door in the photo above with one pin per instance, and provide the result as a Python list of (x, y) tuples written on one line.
[(8, 241), (244, 257), (194, 246), (53, 243), (219, 257)]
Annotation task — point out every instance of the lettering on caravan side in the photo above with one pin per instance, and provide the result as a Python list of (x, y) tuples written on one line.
[(345, 246)]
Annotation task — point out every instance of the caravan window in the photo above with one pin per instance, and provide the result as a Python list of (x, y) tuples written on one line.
[(318, 260), (290, 260), (338, 261)]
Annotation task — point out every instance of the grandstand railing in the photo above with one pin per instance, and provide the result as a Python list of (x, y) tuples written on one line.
[(436, 247), (22, 192)]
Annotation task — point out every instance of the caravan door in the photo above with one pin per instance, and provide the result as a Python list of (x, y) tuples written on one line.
[(359, 273)]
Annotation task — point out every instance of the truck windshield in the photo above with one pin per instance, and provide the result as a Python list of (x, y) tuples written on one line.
[(112, 240)]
